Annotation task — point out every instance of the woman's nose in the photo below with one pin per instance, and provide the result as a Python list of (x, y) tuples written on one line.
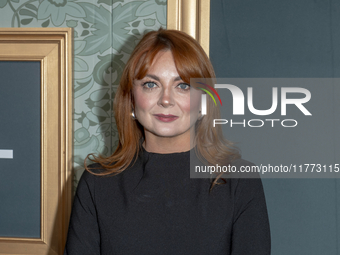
[(166, 98)]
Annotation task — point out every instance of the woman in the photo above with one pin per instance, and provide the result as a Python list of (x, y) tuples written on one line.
[(141, 200)]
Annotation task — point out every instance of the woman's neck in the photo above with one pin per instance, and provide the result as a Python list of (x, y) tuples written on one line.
[(167, 145)]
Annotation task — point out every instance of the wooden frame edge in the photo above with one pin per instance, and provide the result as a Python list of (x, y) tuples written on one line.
[(55, 55), (192, 17)]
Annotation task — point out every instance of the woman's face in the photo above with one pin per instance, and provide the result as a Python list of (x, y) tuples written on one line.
[(165, 105)]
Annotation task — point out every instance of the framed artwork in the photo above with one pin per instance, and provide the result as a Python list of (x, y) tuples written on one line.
[(35, 139)]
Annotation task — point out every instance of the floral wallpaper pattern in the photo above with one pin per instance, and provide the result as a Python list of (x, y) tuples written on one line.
[(105, 33)]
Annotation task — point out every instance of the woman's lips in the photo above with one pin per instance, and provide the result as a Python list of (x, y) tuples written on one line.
[(166, 118)]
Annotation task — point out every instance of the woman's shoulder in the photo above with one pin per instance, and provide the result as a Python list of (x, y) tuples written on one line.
[(88, 177), (98, 175), (92, 171), (95, 169), (93, 175)]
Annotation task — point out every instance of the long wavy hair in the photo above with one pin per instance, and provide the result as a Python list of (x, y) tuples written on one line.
[(191, 62)]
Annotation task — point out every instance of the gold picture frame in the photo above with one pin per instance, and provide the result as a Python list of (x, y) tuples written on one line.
[(192, 17), (52, 47)]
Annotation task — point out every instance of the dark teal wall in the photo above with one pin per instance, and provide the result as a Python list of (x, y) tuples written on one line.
[(287, 39), (291, 38)]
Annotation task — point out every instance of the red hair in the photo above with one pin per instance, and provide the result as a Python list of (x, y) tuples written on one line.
[(191, 62)]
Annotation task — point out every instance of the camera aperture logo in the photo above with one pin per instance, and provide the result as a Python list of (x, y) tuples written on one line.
[(204, 97), (239, 105)]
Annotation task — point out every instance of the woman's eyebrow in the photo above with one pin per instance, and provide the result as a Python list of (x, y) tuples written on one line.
[(155, 77)]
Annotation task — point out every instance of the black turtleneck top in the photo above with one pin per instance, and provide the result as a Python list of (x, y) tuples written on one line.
[(154, 207)]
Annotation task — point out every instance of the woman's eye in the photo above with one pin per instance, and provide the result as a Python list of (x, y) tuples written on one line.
[(149, 85), (184, 86)]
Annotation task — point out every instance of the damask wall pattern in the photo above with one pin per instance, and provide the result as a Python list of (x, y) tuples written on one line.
[(105, 33)]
